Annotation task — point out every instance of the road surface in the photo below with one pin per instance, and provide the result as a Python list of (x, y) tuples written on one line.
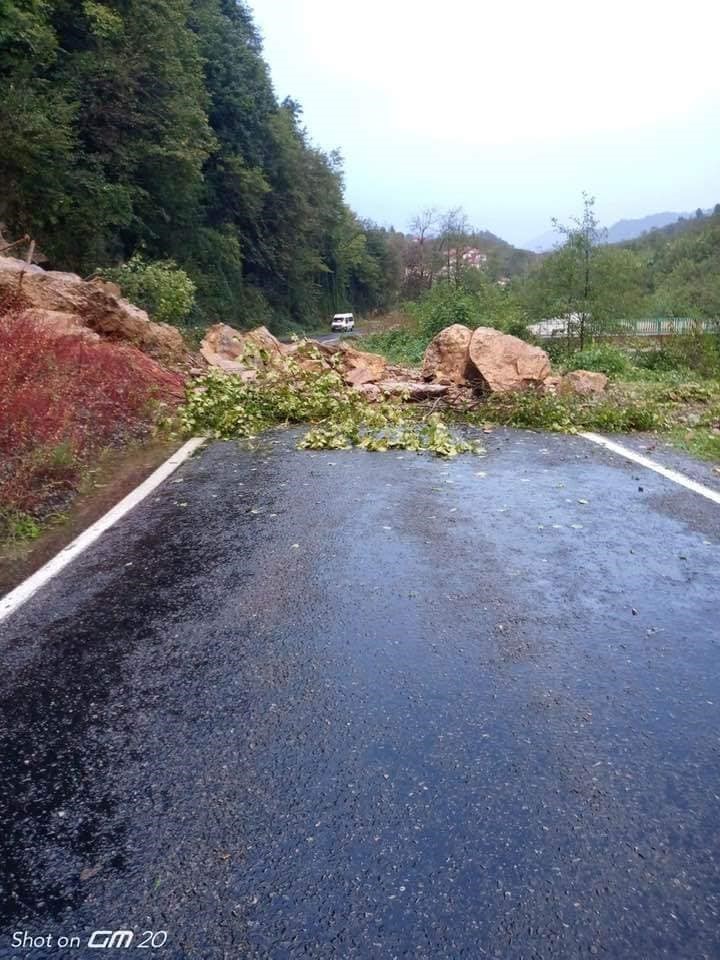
[(350, 705), (329, 337)]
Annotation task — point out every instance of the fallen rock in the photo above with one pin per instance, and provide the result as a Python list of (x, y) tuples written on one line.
[(506, 363), (236, 352), (371, 391), (550, 385), (96, 303), (359, 367), (311, 355), (583, 383), (59, 323), (462, 397), (412, 390), (447, 357)]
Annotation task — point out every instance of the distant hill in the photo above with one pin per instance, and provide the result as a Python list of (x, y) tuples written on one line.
[(630, 229), (544, 242), (619, 232)]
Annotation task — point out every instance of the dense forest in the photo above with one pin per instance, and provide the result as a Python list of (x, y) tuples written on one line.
[(150, 129), (143, 139)]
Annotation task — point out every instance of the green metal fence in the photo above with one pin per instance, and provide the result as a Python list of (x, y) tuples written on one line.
[(647, 327), (664, 326)]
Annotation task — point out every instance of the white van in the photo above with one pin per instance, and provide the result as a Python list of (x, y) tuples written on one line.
[(343, 322)]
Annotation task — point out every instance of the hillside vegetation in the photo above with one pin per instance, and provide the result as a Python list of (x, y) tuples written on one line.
[(151, 128)]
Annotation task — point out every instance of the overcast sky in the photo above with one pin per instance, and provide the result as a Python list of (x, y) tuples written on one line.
[(508, 109)]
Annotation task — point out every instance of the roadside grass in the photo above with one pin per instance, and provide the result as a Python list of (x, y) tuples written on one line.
[(687, 414), (17, 526), (570, 414), (403, 346), (63, 401)]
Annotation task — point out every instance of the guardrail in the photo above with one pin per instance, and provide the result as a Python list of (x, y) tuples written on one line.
[(647, 327)]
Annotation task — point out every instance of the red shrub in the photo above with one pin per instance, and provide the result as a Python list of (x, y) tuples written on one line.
[(63, 399)]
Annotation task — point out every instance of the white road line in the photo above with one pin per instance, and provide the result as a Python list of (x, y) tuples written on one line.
[(673, 475), (17, 597)]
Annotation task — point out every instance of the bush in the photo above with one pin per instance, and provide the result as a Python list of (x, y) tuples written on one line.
[(690, 351), (160, 287), (485, 306), (63, 399), (601, 358), (443, 305)]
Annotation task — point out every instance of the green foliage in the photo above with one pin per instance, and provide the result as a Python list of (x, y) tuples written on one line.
[(443, 305), (694, 352), (591, 284), (681, 271), (134, 125), (161, 288), (398, 346), (474, 302), (602, 358), (226, 407), (570, 414), (699, 441)]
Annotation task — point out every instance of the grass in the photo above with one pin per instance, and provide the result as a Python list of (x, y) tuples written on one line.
[(403, 346), (17, 527), (570, 414)]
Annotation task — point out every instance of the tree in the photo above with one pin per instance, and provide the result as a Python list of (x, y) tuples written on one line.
[(453, 242), (151, 128), (588, 283), (582, 237), (422, 226)]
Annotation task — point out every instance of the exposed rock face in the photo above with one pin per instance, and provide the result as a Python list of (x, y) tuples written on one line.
[(584, 383), (95, 304), (241, 353), (59, 323), (447, 357), (505, 363)]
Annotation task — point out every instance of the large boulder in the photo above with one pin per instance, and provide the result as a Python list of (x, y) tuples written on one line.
[(583, 383), (447, 357), (244, 353), (96, 304), (507, 364), (359, 367)]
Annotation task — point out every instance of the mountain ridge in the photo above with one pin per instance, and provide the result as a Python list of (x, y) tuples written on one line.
[(621, 231)]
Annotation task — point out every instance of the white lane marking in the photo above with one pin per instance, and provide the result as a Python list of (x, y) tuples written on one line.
[(673, 475), (17, 597)]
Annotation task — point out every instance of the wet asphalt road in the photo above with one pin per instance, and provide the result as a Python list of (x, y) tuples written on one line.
[(348, 705)]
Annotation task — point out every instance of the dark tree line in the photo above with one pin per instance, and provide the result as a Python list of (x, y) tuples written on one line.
[(152, 125)]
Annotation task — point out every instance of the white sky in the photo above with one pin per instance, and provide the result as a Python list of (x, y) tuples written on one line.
[(509, 109)]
